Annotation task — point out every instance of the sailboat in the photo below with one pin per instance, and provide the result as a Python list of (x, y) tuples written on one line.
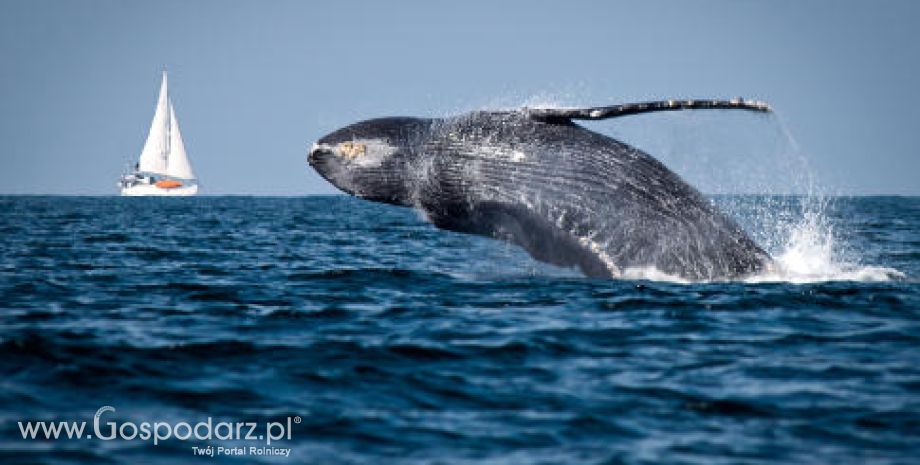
[(163, 167)]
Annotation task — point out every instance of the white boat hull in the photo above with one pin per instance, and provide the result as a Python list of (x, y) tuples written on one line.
[(141, 190)]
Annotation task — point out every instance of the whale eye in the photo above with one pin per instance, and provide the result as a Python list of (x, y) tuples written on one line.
[(352, 149)]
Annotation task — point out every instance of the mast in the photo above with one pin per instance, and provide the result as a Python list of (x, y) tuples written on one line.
[(166, 146)]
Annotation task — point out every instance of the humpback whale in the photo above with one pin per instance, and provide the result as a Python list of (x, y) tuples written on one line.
[(532, 176)]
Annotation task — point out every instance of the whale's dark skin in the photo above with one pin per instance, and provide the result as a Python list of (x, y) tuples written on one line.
[(567, 195)]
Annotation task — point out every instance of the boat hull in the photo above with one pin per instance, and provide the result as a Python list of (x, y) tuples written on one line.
[(142, 190)]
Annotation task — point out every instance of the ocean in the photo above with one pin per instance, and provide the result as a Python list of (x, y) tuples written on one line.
[(328, 330)]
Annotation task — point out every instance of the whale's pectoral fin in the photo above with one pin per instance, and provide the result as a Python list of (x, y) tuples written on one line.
[(520, 226), (561, 115)]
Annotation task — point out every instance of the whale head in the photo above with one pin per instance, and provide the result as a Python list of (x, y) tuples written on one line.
[(371, 159)]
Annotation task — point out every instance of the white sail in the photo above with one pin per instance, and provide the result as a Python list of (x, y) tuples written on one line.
[(155, 152), (177, 165)]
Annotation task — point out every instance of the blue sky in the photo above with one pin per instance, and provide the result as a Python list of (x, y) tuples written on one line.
[(256, 82)]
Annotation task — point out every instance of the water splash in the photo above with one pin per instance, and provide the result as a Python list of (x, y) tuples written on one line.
[(808, 249), (811, 253)]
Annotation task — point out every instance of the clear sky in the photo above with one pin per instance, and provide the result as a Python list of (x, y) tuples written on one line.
[(255, 82)]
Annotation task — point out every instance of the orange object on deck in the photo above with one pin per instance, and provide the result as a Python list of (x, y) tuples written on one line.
[(168, 184)]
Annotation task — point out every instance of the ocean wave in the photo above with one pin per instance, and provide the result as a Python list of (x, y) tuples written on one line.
[(403, 344)]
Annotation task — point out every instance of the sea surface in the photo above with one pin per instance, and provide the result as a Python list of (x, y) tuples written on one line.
[(367, 336)]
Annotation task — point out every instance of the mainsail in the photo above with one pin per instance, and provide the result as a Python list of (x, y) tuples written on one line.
[(153, 156)]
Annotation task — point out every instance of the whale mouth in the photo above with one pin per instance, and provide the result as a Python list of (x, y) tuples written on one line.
[(323, 159), (319, 155), (326, 161)]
